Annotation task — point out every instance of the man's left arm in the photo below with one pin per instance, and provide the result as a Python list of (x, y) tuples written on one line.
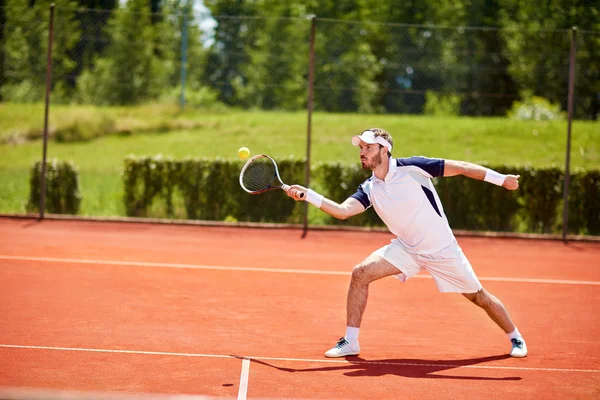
[(474, 171)]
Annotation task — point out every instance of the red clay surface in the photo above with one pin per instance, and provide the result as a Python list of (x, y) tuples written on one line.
[(79, 287)]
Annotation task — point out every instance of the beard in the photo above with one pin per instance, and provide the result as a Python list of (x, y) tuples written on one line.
[(375, 162)]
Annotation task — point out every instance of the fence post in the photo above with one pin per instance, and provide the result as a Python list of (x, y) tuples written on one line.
[(309, 106), (570, 101), (184, 45), (48, 85)]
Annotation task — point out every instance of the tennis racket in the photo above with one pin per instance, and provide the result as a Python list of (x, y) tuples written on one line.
[(260, 174)]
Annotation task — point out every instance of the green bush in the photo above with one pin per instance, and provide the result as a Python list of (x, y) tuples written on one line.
[(23, 92), (473, 205), (85, 127), (196, 96), (442, 105), (540, 194), (62, 187), (535, 108), (584, 203)]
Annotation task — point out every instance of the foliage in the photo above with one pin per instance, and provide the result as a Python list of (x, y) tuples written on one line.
[(25, 47), (535, 108), (540, 192), (87, 128), (472, 205), (584, 202), (195, 96), (139, 62), (228, 53), (441, 104), (371, 56), (338, 181), (204, 189), (537, 43), (129, 71), (210, 190), (62, 187), (277, 60)]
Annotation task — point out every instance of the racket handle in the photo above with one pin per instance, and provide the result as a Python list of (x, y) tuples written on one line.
[(286, 187)]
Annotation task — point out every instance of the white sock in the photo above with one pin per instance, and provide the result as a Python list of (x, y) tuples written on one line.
[(514, 334), (352, 334)]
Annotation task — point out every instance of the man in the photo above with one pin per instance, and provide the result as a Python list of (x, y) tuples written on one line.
[(403, 195)]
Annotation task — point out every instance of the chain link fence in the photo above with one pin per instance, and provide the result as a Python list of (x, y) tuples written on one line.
[(131, 56)]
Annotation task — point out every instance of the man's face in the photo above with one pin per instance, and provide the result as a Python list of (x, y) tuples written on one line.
[(370, 155)]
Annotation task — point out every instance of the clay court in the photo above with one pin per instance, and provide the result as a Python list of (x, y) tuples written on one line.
[(233, 312)]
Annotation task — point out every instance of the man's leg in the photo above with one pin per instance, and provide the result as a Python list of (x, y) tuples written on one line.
[(493, 307), (497, 312), (370, 269)]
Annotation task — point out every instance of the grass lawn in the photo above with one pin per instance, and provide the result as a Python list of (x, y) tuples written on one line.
[(490, 141)]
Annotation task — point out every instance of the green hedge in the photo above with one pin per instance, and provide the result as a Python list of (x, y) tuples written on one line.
[(205, 189), (209, 190), (62, 187), (473, 205), (584, 203)]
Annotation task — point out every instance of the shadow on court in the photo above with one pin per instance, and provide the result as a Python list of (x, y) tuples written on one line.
[(31, 223), (405, 367)]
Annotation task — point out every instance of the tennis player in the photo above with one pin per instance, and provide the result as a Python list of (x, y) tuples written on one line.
[(402, 193)]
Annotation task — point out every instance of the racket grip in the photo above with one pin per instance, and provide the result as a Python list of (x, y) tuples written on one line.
[(286, 187)]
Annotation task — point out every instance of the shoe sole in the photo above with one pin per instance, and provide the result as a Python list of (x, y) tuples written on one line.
[(341, 355), (518, 355)]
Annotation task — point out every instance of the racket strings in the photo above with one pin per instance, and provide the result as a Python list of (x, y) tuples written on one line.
[(259, 174)]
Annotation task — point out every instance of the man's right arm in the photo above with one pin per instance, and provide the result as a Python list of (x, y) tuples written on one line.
[(347, 209)]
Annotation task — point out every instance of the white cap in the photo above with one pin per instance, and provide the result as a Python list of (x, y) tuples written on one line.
[(370, 138)]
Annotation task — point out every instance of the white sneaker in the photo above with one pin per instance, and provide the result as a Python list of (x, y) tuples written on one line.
[(343, 348), (519, 348)]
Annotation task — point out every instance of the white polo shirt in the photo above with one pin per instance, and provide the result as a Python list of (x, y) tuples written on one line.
[(406, 201)]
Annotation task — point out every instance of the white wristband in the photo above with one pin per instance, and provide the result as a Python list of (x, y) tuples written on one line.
[(314, 198), (494, 177)]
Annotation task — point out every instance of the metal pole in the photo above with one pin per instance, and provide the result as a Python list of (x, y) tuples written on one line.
[(309, 105), (570, 111), (48, 85), (184, 45)]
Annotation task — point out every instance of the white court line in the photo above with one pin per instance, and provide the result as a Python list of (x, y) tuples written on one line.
[(275, 270), (244, 379), (304, 360)]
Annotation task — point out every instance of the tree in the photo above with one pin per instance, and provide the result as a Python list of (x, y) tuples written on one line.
[(134, 66), (26, 46), (275, 75), (93, 16), (537, 38), (2, 24), (234, 35), (346, 66)]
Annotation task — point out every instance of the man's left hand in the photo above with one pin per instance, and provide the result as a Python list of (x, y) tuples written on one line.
[(511, 182)]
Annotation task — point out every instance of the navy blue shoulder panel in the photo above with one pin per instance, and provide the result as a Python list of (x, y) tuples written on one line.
[(433, 166), (362, 196)]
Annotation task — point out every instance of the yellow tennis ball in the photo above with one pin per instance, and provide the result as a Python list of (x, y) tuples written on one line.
[(243, 153)]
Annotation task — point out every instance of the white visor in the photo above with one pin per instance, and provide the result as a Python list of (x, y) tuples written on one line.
[(370, 138)]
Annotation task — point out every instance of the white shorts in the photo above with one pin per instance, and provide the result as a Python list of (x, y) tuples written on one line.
[(449, 267)]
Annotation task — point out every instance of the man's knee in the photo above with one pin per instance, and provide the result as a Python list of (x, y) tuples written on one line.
[(359, 274), (480, 298), (371, 269)]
